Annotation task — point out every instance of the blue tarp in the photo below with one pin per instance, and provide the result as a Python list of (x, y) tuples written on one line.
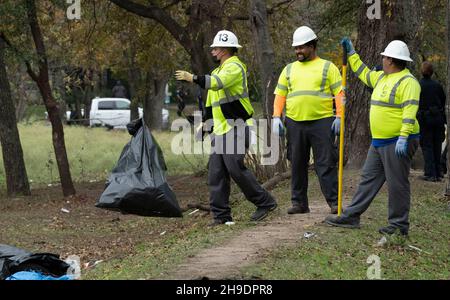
[(24, 275), (14, 260)]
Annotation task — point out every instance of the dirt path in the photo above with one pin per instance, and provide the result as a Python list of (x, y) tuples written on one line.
[(225, 261)]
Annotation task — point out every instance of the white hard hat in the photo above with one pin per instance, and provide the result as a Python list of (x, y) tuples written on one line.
[(225, 38), (397, 49), (302, 35)]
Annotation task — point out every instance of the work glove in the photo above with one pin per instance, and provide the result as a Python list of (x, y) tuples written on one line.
[(347, 43), (183, 75), (277, 126), (336, 126), (401, 147)]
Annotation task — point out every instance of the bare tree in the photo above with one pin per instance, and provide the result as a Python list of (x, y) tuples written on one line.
[(205, 18), (16, 174), (42, 80), (399, 20)]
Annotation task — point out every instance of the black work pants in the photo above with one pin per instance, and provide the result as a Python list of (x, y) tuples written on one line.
[(230, 163), (383, 165), (431, 139), (316, 135)]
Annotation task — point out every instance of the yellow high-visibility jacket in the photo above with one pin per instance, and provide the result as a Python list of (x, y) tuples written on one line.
[(394, 102), (227, 84), (309, 88)]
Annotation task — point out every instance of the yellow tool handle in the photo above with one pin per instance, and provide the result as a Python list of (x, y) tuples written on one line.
[(341, 136)]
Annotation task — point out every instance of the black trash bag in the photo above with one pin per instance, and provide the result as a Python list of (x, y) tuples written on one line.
[(13, 260), (137, 184), (134, 126)]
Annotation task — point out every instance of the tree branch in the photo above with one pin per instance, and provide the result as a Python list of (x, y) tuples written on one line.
[(270, 11), (38, 40), (161, 16), (271, 183), (6, 40), (279, 4), (30, 71), (337, 16), (175, 2)]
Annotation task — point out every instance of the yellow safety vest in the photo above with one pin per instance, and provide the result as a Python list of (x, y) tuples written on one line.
[(226, 84), (309, 88), (394, 102)]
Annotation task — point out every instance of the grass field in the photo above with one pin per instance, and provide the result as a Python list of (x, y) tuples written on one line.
[(92, 153)]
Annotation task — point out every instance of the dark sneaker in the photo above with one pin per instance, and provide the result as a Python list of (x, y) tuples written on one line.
[(298, 209), (262, 212), (217, 222), (340, 221), (389, 230)]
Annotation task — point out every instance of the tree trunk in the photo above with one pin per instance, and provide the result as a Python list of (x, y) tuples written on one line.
[(93, 80), (153, 102), (134, 77), (264, 52), (16, 174), (447, 186), (42, 80), (268, 80), (399, 20)]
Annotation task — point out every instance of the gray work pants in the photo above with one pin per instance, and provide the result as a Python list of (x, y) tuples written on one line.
[(302, 136), (383, 165), (224, 165)]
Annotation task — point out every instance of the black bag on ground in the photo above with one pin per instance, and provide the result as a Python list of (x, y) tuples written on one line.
[(13, 260), (137, 184)]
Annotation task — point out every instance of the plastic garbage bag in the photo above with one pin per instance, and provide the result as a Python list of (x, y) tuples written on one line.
[(137, 184), (26, 275), (14, 260)]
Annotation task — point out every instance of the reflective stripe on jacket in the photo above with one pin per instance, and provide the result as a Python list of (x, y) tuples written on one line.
[(394, 102), (227, 84), (309, 88)]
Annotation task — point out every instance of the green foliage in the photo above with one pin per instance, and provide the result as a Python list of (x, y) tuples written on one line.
[(432, 34)]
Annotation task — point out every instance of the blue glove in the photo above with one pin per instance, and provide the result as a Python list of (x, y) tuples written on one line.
[(277, 126), (336, 126), (401, 147), (347, 43)]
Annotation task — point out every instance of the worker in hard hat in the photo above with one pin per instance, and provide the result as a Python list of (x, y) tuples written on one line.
[(395, 137), (307, 88), (228, 105)]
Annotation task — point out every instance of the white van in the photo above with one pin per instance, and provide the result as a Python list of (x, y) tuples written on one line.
[(115, 112)]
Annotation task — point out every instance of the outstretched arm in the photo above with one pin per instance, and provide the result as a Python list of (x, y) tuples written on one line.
[(369, 77)]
